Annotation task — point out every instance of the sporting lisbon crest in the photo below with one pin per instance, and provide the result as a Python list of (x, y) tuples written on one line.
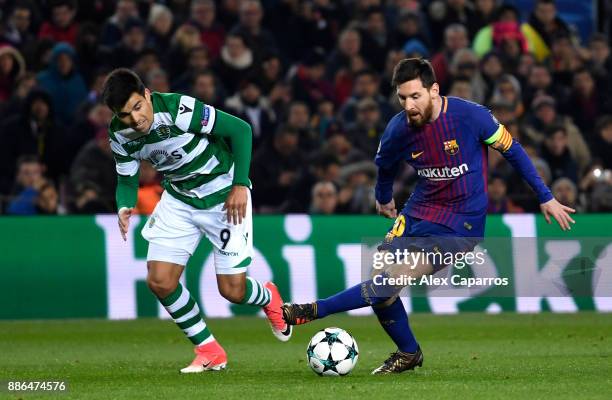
[(451, 147), (163, 131)]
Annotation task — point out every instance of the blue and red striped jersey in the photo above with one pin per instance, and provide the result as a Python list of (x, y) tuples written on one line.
[(450, 158)]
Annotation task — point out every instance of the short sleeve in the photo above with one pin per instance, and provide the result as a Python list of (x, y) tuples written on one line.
[(207, 118), (194, 116), (188, 113)]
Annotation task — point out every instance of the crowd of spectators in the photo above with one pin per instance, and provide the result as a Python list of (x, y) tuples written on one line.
[(312, 78)]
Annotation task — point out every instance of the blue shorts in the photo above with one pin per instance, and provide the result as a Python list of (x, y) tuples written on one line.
[(415, 234)]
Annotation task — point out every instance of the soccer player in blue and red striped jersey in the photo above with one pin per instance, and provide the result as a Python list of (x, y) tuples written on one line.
[(445, 139)]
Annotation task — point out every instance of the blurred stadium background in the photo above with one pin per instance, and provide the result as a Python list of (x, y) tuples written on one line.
[(312, 79)]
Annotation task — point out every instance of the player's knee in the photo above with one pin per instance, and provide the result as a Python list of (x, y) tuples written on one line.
[(385, 302), (161, 286), (232, 292)]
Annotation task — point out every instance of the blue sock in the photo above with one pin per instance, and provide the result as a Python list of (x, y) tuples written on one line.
[(359, 296), (394, 321)]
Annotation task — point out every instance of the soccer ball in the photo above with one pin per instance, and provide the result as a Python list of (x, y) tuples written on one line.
[(332, 352)]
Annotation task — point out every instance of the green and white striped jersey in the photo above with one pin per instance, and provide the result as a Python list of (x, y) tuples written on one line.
[(197, 167)]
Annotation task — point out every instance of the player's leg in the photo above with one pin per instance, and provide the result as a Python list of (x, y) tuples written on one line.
[(233, 250), (433, 240), (393, 318), (163, 280), (388, 309), (163, 277), (172, 240), (243, 289), (403, 235), (365, 294), (362, 295), (387, 306), (385, 302)]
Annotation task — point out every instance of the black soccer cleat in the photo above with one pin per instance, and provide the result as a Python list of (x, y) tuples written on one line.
[(400, 362), (298, 314)]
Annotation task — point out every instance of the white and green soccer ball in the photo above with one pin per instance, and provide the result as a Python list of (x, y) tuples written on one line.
[(332, 352)]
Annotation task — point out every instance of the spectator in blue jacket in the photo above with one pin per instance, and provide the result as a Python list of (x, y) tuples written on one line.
[(62, 80)]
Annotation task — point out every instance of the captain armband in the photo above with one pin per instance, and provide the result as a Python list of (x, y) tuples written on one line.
[(501, 140)]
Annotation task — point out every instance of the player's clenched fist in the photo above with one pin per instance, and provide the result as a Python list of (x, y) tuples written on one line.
[(124, 221), (388, 210)]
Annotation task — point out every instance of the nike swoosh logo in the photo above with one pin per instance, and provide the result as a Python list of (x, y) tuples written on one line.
[(287, 331), (417, 155), (207, 364)]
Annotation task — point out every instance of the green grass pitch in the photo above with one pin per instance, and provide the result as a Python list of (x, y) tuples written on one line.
[(468, 356)]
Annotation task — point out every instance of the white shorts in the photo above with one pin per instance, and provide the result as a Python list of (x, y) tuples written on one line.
[(174, 231)]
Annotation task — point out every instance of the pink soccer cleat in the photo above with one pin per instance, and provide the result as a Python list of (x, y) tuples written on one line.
[(273, 311), (209, 357)]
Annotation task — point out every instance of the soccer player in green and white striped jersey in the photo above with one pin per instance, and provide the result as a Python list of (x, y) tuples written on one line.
[(207, 192)]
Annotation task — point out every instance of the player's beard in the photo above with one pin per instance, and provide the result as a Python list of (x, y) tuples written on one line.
[(420, 119)]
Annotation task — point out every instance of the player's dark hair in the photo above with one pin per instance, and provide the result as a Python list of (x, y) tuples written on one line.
[(119, 86), (409, 69)]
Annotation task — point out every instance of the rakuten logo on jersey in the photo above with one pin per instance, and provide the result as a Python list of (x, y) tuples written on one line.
[(443, 174)]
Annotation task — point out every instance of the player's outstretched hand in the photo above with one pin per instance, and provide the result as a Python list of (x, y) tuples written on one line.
[(124, 221), (559, 212), (236, 204), (388, 210)]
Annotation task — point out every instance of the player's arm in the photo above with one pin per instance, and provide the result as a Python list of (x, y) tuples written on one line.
[(128, 170), (196, 117), (502, 141), (388, 162), (240, 136), (191, 115)]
